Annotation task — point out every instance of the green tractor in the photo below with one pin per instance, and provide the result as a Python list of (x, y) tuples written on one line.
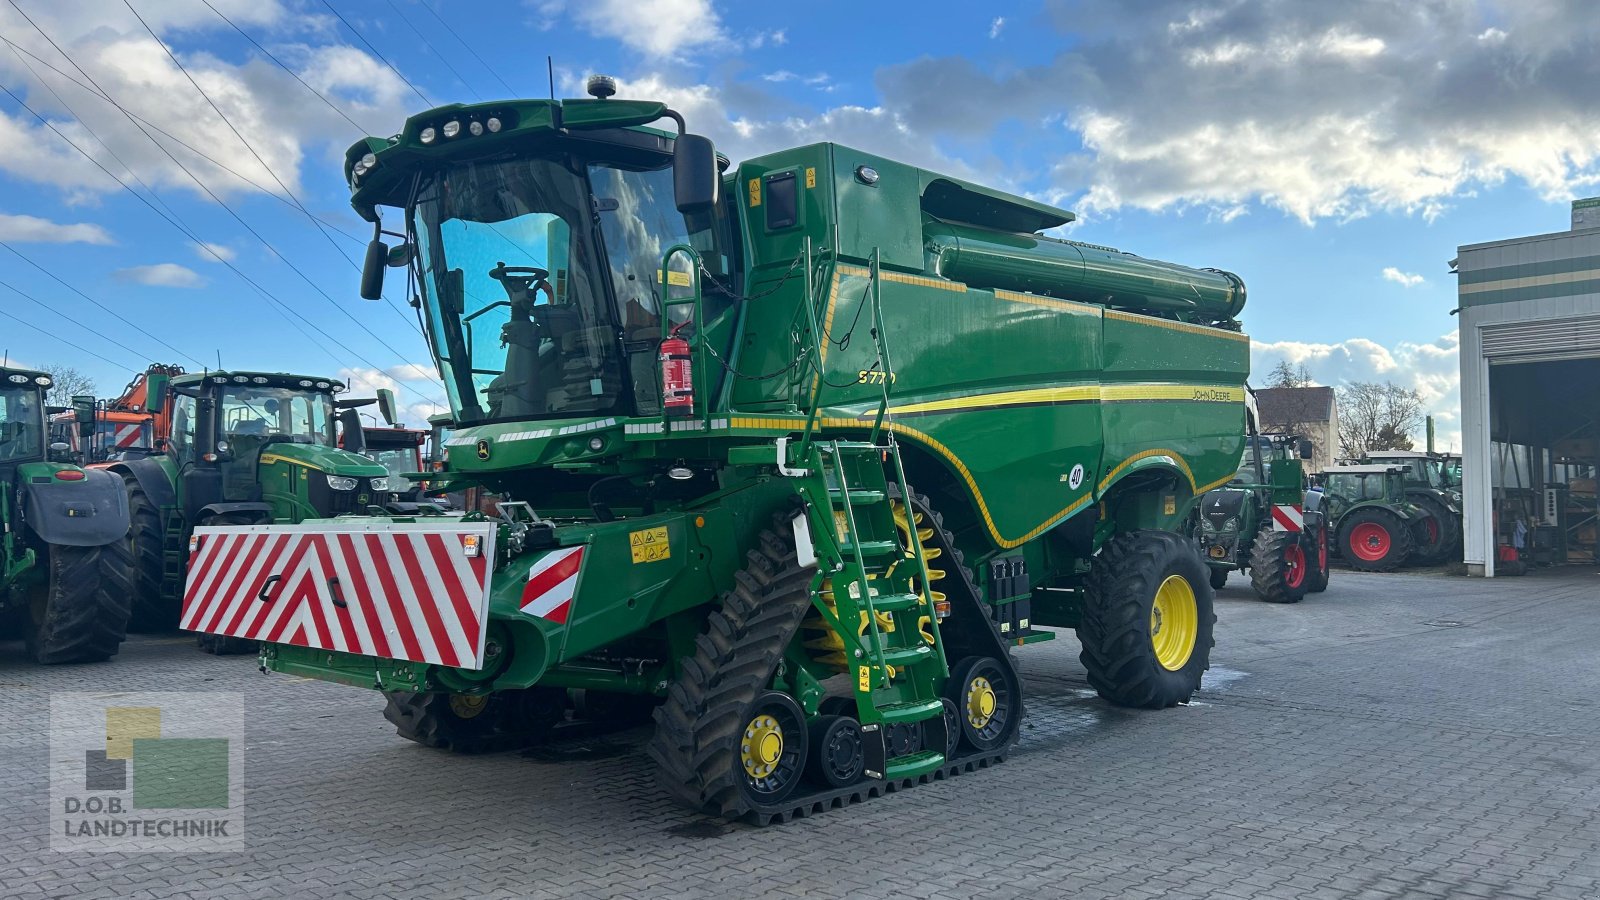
[(699, 395), (64, 551), (1265, 521), (245, 448), (1376, 526), (1431, 487)]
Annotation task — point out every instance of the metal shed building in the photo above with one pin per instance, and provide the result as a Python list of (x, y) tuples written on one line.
[(1530, 394)]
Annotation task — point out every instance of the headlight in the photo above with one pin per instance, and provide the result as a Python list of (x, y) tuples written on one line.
[(428, 135), (494, 125), (452, 128), (475, 127), (380, 484), (341, 483)]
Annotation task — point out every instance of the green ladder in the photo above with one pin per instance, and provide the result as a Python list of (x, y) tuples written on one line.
[(876, 574), (174, 553)]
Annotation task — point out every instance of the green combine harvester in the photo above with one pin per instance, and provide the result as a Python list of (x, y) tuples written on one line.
[(245, 448), (64, 553), (796, 451)]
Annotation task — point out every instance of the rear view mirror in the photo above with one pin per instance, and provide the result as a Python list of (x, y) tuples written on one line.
[(372, 270), (695, 181), (400, 256), (386, 405), (1305, 449), (155, 393), (83, 410), (355, 440)]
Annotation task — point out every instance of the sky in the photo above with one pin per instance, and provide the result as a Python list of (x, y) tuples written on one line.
[(1332, 154)]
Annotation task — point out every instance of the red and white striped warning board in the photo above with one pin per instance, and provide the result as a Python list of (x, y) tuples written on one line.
[(552, 582), (130, 435), (1287, 518), (412, 591)]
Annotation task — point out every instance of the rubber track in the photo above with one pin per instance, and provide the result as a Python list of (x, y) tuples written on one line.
[(839, 798), (1268, 570), (151, 612), (695, 745), (1115, 635), (87, 614)]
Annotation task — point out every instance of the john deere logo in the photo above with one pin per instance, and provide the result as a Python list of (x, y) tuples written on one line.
[(483, 449)]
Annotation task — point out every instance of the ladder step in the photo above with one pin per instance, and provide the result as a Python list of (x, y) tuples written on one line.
[(871, 548), (908, 656), (914, 765), (915, 711), (858, 446), (895, 602), (857, 497)]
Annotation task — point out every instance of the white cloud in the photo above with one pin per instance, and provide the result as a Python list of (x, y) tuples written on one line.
[(780, 76), (412, 372), (776, 38), (32, 229), (161, 275), (210, 252), (1404, 279), (277, 115), (995, 26), (1433, 369), (660, 29)]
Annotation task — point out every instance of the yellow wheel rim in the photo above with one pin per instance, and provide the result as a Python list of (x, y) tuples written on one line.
[(761, 747), (1174, 622), (466, 706), (980, 702)]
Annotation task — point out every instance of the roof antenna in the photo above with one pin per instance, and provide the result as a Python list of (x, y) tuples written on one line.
[(219, 359), (550, 64), (555, 108)]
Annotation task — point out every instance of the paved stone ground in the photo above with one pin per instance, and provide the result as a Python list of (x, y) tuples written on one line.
[(1400, 735)]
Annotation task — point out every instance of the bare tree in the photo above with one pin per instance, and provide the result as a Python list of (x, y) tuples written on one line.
[(1285, 375), (1377, 416), (68, 381)]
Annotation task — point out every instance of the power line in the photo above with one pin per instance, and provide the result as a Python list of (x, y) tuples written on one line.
[(353, 123), (95, 93), (188, 232), (429, 44), (76, 324), (112, 312), (264, 165), (510, 92), (57, 337), (353, 30)]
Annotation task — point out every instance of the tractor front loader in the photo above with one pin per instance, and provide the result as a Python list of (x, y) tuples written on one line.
[(795, 451), (1264, 521), (64, 552), (240, 449)]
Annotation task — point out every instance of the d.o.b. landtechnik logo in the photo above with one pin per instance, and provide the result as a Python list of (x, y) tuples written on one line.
[(143, 772)]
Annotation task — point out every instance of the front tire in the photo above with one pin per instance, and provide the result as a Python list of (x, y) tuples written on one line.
[(1147, 620), (1317, 580), (1374, 540), (1278, 567), (147, 539), (79, 614)]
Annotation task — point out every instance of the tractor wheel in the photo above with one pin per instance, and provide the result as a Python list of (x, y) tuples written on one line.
[(1219, 579), (1317, 574), (837, 753), (1278, 567), (1147, 620), (703, 746), (151, 611), (221, 644), (1439, 535), (79, 613), (475, 723), (1374, 540), (986, 701)]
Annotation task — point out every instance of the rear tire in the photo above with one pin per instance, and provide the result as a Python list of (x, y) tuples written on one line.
[(1374, 540), (80, 613), (1130, 663), (147, 537), (1278, 567), (1436, 544)]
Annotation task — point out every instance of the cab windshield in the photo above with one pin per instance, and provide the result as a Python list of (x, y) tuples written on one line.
[(541, 280), (21, 424), (399, 460), (297, 417)]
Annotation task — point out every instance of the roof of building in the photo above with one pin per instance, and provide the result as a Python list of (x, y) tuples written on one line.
[(1295, 404)]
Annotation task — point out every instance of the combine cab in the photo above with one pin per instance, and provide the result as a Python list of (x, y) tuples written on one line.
[(244, 448), (702, 395), (64, 551)]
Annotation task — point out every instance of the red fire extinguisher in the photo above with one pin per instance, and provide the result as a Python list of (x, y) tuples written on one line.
[(677, 376)]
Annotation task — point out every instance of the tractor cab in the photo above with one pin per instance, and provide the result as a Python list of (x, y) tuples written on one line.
[(398, 450), (265, 446), (1346, 486), (22, 427)]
